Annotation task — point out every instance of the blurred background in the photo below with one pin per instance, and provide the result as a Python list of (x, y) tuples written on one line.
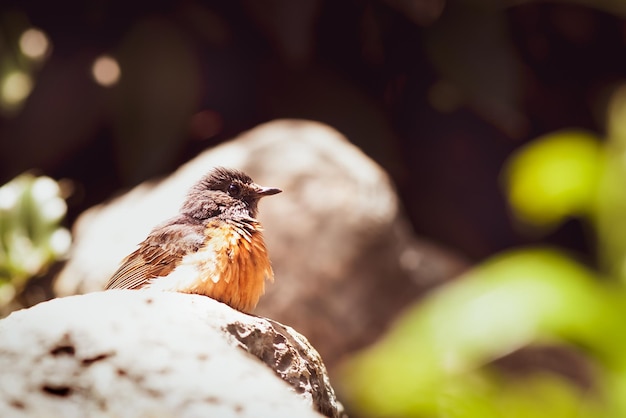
[(501, 123)]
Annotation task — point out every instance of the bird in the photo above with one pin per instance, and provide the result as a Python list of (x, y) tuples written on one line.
[(214, 246)]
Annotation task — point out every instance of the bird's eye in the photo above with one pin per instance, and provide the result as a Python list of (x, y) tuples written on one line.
[(234, 190)]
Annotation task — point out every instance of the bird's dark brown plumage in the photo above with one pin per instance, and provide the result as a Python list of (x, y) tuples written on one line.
[(213, 247)]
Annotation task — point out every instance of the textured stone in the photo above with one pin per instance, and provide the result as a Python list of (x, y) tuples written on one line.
[(345, 258), (125, 353)]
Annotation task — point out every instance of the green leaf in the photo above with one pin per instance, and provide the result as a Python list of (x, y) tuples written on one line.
[(554, 177), (471, 48), (515, 299), (610, 215), (537, 395), (31, 210)]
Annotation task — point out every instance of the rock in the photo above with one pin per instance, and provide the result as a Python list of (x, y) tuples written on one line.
[(125, 353), (345, 258)]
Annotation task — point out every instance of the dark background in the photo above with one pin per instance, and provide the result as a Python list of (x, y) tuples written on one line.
[(438, 92)]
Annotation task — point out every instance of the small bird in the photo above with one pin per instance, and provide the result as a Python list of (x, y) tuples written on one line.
[(213, 247)]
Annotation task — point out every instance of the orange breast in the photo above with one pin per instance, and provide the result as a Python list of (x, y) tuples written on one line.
[(231, 267)]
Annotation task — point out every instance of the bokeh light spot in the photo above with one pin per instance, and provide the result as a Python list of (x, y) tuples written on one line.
[(206, 124), (9, 195), (16, 87), (60, 241), (34, 43), (106, 71)]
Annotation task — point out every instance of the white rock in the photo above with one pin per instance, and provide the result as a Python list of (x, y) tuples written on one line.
[(345, 258), (145, 354)]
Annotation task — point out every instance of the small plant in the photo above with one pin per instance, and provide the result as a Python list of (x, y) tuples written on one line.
[(440, 358), (31, 238)]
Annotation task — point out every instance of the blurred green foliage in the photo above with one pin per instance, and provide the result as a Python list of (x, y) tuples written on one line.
[(31, 210), (440, 358), (554, 177)]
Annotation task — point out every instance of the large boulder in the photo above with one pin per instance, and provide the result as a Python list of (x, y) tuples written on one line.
[(125, 353), (345, 258)]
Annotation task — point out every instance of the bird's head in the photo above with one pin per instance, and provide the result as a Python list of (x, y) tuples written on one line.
[(225, 193)]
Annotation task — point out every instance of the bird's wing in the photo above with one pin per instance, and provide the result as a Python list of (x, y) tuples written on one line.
[(157, 255)]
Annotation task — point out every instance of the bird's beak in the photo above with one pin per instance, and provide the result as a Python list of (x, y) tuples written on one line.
[(266, 191)]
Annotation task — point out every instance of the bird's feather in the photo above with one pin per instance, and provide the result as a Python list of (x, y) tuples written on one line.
[(158, 255)]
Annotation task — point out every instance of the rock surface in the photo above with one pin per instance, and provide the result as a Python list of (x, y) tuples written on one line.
[(127, 353), (345, 259)]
